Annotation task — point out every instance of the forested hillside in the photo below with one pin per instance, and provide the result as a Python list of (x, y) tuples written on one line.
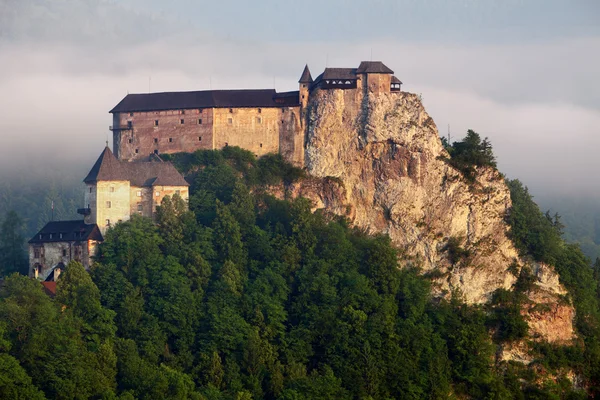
[(581, 220), (246, 296)]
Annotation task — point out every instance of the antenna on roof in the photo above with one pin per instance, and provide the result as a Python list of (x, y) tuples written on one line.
[(448, 134)]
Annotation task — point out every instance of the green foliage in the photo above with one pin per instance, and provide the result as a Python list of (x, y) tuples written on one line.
[(248, 297), (13, 257), (456, 253), (470, 153), (538, 235)]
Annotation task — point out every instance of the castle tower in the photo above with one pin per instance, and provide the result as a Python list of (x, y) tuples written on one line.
[(305, 82)]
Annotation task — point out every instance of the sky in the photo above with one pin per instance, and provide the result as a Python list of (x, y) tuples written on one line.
[(521, 72)]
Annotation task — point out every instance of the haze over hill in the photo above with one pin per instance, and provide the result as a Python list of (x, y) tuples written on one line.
[(521, 73)]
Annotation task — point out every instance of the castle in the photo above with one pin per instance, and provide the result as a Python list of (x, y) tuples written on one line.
[(134, 179), (262, 121), (114, 191)]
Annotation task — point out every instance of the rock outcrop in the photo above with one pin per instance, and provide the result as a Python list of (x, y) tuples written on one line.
[(379, 161)]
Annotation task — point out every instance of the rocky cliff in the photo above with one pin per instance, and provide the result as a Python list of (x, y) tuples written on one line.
[(379, 161)]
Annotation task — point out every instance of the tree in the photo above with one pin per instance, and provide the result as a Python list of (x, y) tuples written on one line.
[(79, 294), (13, 257), (469, 153)]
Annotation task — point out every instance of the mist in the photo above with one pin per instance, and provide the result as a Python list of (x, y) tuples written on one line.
[(538, 100)]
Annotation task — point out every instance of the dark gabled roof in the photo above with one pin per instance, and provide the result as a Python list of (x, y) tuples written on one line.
[(287, 99), (106, 168), (144, 173), (396, 80), (139, 173), (70, 230), (336, 73), (339, 73), (198, 99), (373, 67), (306, 77)]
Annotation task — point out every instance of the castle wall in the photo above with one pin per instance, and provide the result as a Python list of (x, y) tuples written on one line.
[(253, 129), (291, 136), (140, 197), (118, 194), (89, 199), (159, 193), (169, 136), (53, 253), (379, 83)]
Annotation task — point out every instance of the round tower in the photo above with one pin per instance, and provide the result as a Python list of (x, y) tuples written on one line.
[(305, 82)]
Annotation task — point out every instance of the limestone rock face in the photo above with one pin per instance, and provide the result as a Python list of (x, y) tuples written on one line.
[(378, 160)]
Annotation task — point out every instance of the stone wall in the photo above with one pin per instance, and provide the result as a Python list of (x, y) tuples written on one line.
[(259, 130), (378, 83), (159, 193), (141, 198), (254, 129), (112, 203), (168, 131)]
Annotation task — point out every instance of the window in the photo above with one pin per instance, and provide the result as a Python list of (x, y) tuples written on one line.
[(258, 120), (283, 110), (183, 111), (155, 140), (156, 152), (60, 235), (139, 193), (64, 252), (226, 144), (182, 121), (36, 252), (200, 111), (230, 120), (199, 138), (129, 140), (140, 207), (90, 190), (231, 110), (112, 189), (50, 236), (108, 204), (200, 121), (108, 222), (155, 122), (40, 237), (131, 114), (137, 151), (259, 110), (170, 140), (178, 192), (261, 145), (282, 121), (302, 96), (129, 124), (157, 193)]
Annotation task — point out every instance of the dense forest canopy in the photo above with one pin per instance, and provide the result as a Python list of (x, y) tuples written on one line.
[(245, 296)]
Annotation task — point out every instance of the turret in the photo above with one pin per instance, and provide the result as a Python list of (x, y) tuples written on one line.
[(305, 81)]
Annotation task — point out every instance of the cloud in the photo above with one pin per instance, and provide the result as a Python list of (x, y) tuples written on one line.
[(539, 102), (552, 148)]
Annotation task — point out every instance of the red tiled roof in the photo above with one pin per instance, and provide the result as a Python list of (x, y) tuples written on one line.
[(49, 288)]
